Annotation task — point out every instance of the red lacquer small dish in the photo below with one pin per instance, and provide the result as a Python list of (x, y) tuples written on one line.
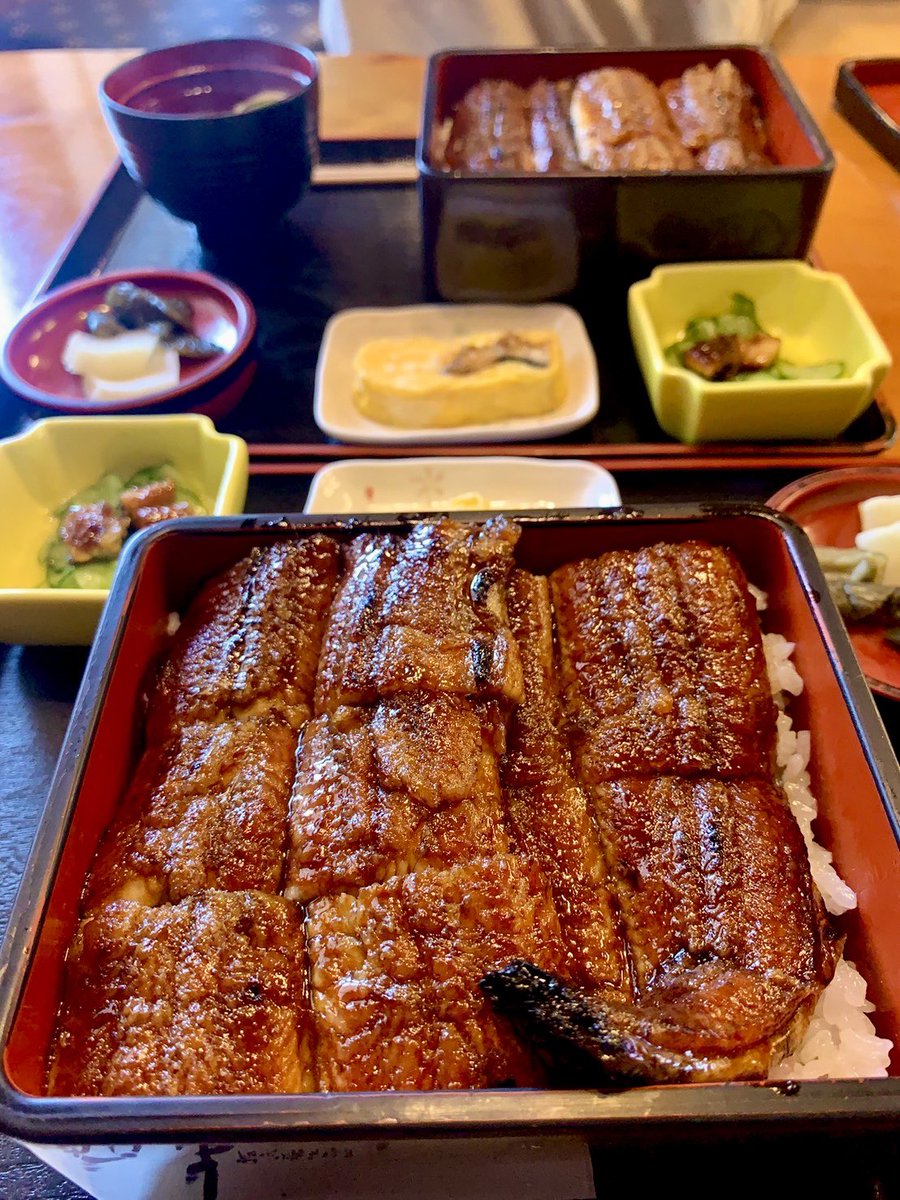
[(867, 93), (826, 504), (31, 361)]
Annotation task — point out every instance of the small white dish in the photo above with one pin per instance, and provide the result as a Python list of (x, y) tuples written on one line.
[(337, 415), (370, 485)]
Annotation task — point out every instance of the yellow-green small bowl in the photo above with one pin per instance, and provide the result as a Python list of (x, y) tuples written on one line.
[(58, 457), (818, 319)]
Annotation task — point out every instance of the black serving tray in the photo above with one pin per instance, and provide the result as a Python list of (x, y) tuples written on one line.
[(348, 246)]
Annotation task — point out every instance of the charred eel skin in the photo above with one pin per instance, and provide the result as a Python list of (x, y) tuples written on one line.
[(584, 1040)]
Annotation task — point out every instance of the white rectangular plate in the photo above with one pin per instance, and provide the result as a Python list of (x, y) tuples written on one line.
[(433, 484), (337, 415)]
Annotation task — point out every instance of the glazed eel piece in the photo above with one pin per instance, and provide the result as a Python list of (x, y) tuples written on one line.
[(662, 666), (552, 143), (187, 972), (395, 968), (208, 803), (424, 612), (386, 789), (548, 813), (611, 119), (727, 939), (491, 129), (620, 123), (714, 113), (399, 769), (397, 829), (671, 719), (207, 996), (249, 643), (206, 809)]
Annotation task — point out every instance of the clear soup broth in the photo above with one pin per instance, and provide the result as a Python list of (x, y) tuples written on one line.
[(217, 92)]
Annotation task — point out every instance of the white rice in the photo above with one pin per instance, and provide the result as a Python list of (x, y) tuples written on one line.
[(841, 1042)]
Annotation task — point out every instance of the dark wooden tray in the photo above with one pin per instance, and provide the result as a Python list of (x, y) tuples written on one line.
[(347, 246)]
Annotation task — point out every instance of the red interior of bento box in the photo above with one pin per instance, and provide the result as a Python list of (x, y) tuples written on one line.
[(881, 80), (790, 142), (853, 819)]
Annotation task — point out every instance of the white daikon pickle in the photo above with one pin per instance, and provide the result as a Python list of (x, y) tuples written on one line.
[(885, 539), (879, 510), (123, 357), (163, 373)]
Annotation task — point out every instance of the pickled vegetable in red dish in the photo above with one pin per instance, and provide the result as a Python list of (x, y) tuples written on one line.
[(133, 344)]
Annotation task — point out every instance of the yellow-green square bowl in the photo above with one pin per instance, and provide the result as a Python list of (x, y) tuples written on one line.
[(58, 457), (818, 319)]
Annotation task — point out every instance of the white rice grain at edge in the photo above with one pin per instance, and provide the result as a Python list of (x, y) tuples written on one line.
[(841, 1042)]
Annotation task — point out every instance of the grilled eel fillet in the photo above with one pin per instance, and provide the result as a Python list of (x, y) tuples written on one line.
[(619, 122), (207, 809), (250, 641), (395, 970), (612, 119), (714, 113), (587, 1041), (184, 976), (672, 723), (423, 613), (381, 791), (207, 996), (662, 666), (397, 832), (548, 813), (491, 129), (552, 142), (501, 127)]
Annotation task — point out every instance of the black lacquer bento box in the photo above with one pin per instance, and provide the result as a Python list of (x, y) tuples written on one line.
[(527, 236), (855, 777)]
